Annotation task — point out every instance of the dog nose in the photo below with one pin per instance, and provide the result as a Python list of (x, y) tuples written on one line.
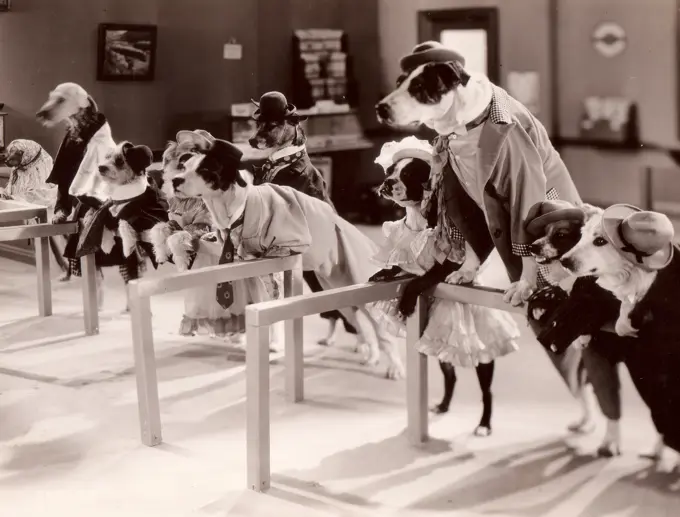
[(102, 169), (177, 182), (41, 114), (253, 142), (535, 248), (383, 110)]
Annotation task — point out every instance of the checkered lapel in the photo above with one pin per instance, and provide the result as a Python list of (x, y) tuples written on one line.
[(271, 167)]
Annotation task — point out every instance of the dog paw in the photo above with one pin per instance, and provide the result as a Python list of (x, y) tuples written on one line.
[(128, 236), (209, 237), (668, 461), (482, 431), (395, 372), (518, 292), (181, 245), (158, 235), (65, 277), (439, 409), (384, 275), (462, 276), (409, 298), (583, 426), (581, 342), (370, 355), (608, 450), (623, 327), (59, 217), (326, 341)]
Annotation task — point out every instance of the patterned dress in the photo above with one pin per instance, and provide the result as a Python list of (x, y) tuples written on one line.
[(457, 333)]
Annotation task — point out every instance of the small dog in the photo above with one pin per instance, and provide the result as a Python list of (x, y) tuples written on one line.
[(279, 131), (405, 184), (278, 221), (31, 165), (631, 254)]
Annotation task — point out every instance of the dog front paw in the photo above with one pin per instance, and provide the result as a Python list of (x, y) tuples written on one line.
[(181, 246), (384, 275), (59, 217), (581, 342), (623, 327), (108, 241), (209, 237), (409, 298), (462, 276), (158, 235), (518, 292)]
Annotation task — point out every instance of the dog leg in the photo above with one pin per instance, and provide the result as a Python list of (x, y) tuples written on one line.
[(99, 281), (669, 460), (611, 444), (329, 340), (158, 236), (181, 245), (485, 377), (59, 258), (108, 241), (450, 379), (468, 271), (129, 237), (395, 367), (586, 398)]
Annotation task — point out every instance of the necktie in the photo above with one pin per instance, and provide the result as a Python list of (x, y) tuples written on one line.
[(225, 291)]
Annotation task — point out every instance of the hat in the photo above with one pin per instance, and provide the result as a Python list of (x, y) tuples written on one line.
[(542, 214), (644, 238), (409, 147), (430, 52), (199, 138), (274, 107)]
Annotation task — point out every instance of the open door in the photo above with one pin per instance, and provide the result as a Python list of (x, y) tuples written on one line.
[(472, 32)]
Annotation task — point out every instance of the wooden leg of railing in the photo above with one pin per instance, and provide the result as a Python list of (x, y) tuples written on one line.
[(90, 305), (42, 266), (294, 358), (416, 377), (257, 406), (145, 367)]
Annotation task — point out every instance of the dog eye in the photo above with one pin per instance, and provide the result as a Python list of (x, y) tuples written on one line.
[(185, 157), (600, 241)]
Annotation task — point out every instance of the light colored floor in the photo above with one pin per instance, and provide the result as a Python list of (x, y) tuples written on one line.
[(69, 442)]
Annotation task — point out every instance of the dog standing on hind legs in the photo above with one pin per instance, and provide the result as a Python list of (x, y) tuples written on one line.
[(456, 334)]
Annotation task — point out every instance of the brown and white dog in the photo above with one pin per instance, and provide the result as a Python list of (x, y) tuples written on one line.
[(631, 254), (279, 221)]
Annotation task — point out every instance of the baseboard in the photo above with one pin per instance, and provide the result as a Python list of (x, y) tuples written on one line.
[(27, 256)]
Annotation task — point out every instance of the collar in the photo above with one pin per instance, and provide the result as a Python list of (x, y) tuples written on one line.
[(129, 191), (22, 166), (285, 152)]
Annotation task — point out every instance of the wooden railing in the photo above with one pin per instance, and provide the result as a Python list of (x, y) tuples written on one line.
[(260, 316), (12, 211), (139, 296)]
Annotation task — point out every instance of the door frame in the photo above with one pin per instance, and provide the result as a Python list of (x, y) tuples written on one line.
[(432, 22)]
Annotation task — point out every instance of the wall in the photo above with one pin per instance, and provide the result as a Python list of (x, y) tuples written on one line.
[(645, 72), (523, 38), (36, 54)]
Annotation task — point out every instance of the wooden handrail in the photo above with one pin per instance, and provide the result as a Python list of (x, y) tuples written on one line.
[(36, 231)]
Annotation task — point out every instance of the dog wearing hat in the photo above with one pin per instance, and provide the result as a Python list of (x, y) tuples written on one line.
[(631, 252), (279, 132), (268, 220)]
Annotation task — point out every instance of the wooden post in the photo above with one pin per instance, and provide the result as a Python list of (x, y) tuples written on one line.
[(89, 286), (257, 406), (416, 377), (648, 188), (42, 265), (145, 367), (294, 356)]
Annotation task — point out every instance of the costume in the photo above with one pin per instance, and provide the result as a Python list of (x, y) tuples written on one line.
[(27, 181), (516, 167)]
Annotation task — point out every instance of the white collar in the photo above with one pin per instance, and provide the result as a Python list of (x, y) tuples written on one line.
[(286, 151), (469, 102), (217, 206), (129, 191)]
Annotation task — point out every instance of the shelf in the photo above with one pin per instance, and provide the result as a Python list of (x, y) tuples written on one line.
[(306, 113), (613, 146), (250, 154)]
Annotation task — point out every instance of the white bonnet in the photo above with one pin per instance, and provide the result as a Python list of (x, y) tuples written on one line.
[(409, 147)]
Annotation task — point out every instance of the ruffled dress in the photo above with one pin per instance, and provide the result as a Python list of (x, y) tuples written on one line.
[(457, 333)]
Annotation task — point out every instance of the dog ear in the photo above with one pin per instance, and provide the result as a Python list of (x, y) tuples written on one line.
[(300, 137), (194, 138), (91, 103), (451, 74), (205, 134), (138, 157)]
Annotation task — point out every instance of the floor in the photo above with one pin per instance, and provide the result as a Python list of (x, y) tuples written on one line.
[(69, 441)]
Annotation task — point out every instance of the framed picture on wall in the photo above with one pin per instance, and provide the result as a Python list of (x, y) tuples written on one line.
[(126, 52)]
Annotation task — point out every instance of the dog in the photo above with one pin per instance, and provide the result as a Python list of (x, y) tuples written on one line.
[(278, 221), (592, 305), (279, 131), (31, 164), (405, 184), (80, 187), (632, 255)]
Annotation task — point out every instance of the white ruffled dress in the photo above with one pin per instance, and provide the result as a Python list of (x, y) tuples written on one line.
[(457, 333)]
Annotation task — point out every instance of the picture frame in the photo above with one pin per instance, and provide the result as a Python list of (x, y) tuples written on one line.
[(126, 52), (5, 5)]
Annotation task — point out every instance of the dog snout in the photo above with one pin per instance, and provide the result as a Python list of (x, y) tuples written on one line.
[(386, 187), (536, 248), (41, 115), (383, 110), (103, 169), (177, 182), (253, 142)]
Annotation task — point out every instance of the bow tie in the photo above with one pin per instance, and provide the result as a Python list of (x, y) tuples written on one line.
[(284, 160)]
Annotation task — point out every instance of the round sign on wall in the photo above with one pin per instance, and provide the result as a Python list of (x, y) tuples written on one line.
[(609, 39)]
